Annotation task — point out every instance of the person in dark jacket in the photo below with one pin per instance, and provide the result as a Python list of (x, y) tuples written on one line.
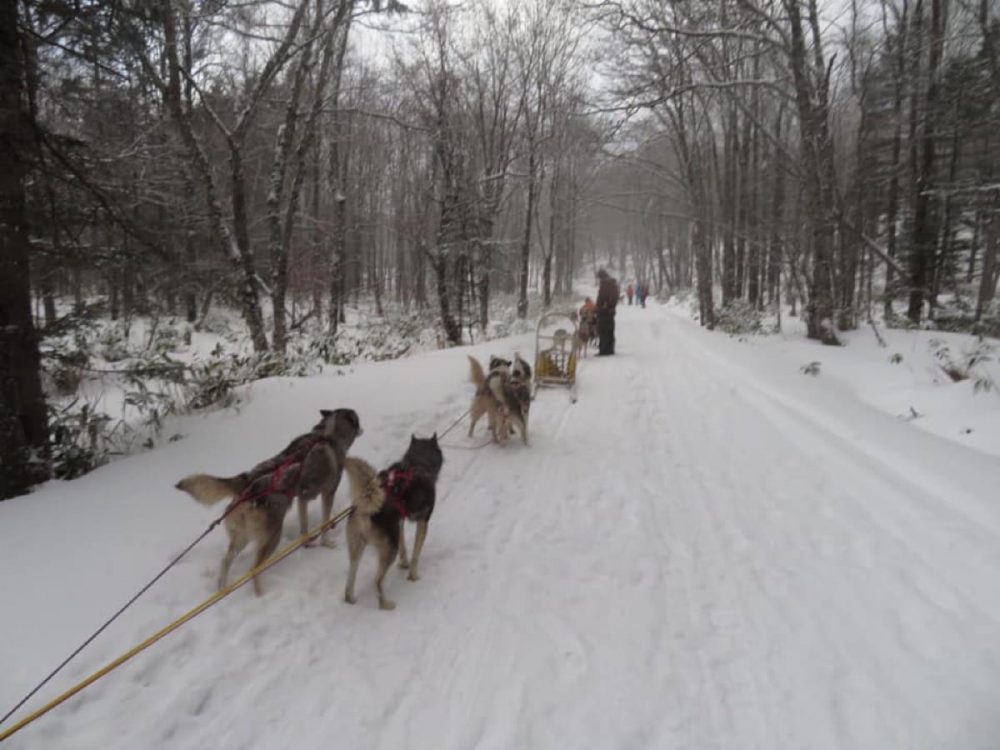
[(607, 300)]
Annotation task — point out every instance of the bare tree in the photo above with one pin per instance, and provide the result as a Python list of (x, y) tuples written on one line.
[(23, 418)]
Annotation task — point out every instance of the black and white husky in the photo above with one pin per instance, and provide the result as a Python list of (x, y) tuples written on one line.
[(504, 394)]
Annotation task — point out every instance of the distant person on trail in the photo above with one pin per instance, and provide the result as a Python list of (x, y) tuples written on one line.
[(607, 300), (629, 291), (641, 292)]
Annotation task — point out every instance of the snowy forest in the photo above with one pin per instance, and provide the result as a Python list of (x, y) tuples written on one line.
[(290, 161)]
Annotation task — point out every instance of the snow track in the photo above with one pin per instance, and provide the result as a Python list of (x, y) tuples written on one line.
[(700, 553)]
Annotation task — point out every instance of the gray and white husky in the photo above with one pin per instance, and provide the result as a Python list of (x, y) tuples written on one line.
[(311, 465)]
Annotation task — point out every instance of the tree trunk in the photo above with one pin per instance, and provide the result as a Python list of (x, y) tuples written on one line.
[(245, 262), (988, 280), (925, 219), (484, 293), (550, 251), (23, 417), (336, 179), (892, 197), (703, 261), (522, 277), (775, 250), (337, 260), (452, 330), (850, 243), (728, 207), (190, 290), (811, 99), (279, 169), (754, 262), (238, 253)]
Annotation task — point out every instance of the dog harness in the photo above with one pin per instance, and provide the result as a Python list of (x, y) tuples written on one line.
[(275, 477), (395, 483)]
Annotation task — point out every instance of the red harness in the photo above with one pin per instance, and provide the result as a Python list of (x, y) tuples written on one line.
[(395, 483), (274, 479)]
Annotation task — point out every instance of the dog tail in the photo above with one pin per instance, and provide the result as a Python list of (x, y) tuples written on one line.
[(367, 494), (476, 373), (209, 490)]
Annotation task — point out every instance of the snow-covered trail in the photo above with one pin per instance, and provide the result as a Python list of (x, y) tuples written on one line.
[(702, 552)]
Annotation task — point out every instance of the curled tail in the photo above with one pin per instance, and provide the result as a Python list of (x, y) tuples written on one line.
[(476, 373), (209, 490), (367, 494)]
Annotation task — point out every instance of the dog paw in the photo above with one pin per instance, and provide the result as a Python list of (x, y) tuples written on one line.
[(413, 576), (387, 605), (329, 542), (404, 564), (350, 599)]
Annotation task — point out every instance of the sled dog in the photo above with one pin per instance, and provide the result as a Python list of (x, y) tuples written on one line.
[(382, 501), (520, 370), (311, 465), (515, 395), (504, 394), (484, 401), (500, 365), (586, 332)]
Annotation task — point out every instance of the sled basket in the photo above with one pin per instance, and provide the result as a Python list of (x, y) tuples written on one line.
[(555, 351)]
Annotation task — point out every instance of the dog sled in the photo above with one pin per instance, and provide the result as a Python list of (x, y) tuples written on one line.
[(556, 353)]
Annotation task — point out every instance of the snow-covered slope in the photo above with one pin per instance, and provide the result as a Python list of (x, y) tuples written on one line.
[(708, 550)]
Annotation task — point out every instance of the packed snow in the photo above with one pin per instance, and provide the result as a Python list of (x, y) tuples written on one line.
[(709, 549)]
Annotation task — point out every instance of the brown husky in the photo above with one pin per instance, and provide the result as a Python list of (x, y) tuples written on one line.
[(309, 466), (485, 401), (586, 332), (407, 489)]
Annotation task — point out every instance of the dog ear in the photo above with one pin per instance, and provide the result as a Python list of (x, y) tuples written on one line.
[(326, 413), (434, 437)]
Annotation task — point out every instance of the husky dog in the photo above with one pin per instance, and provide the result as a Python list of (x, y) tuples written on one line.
[(382, 501), (484, 401), (310, 465), (586, 332), (520, 370), (504, 394), (515, 395), (500, 365)]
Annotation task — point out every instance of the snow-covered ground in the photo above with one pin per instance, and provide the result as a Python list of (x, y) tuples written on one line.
[(709, 549)]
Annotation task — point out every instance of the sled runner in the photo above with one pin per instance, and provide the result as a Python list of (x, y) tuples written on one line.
[(556, 352)]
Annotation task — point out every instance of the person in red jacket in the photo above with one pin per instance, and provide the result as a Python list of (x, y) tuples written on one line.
[(629, 291), (607, 300)]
